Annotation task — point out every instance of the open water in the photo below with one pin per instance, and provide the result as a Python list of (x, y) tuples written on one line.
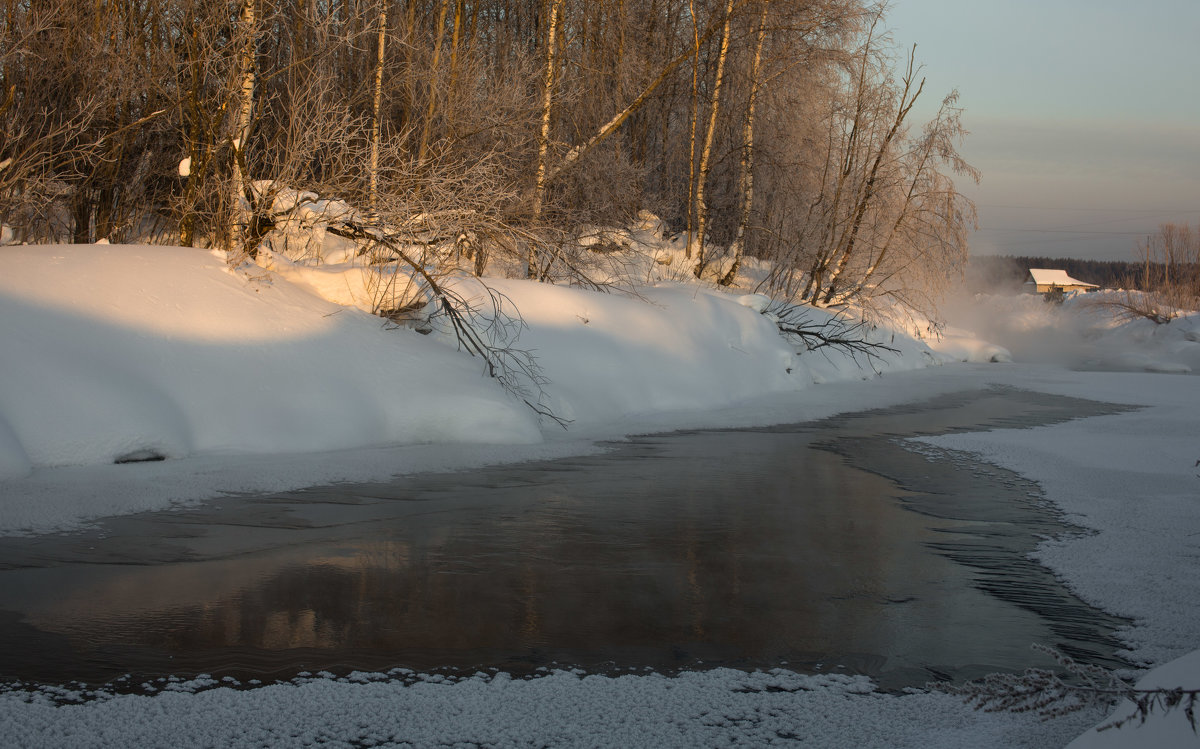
[(829, 546)]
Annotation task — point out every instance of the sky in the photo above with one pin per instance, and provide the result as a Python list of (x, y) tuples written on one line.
[(1084, 116)]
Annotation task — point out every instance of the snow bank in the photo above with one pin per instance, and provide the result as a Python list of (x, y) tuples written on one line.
[(124, 352), (1161, 730), (114, 352), (609, 356)]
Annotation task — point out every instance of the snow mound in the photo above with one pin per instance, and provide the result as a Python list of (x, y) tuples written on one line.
[(115, 350), (1162, 730), (125, 353)]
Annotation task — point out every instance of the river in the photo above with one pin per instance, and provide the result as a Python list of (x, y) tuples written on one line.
[(830, 546)]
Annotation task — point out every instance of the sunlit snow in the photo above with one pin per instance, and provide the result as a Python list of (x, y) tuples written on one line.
[(251, 379)]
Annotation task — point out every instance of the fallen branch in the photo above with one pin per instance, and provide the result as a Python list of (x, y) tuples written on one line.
[(1049, 695), (515, 369), (846, 337)]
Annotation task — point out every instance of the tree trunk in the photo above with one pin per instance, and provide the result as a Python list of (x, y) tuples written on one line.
[(849, 160), (739, 242), (846, 250), (539, 195), (694, 120), (248, 26), (376, 107), (455, 37), (427, 124), (706, 153)]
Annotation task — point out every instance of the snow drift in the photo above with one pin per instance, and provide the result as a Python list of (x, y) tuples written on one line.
[(113, 352), (116, 353)]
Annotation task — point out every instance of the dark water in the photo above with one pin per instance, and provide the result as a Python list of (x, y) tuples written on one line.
[(825, 546)]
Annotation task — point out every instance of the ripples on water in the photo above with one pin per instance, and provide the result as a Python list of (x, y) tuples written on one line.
[(827, 546)]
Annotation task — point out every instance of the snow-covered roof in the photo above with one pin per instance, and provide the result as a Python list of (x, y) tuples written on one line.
[(1055, 277)]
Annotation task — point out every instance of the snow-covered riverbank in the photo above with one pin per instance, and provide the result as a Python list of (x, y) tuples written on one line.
[(115, 352), (247, 382)]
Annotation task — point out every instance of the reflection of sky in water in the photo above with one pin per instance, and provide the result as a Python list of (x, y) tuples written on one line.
[(737, 548)]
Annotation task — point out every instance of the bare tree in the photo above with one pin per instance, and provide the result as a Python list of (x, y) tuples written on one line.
[(702, 172), (792, 147), (1170, 282), (539, 194), (747, 160), (376, 110), (239, 138)]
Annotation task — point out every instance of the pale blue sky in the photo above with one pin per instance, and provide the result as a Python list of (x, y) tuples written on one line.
[(1084, 116)]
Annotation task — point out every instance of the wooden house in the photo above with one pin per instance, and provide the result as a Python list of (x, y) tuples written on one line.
[(1043, 280)]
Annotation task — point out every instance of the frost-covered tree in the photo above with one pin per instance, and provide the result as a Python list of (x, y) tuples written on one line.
[(490, 130)]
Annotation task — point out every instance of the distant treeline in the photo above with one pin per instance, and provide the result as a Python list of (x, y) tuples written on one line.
[(989, 272)]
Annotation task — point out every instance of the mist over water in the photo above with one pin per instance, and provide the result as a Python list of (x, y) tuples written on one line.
[(1083, 333), (1031, 329)]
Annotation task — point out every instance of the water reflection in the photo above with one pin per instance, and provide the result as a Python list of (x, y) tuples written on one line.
[(744, 548)]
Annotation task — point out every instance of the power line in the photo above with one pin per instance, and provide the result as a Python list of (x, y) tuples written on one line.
[(1087, 210), (1072, 227), (1052, 240), (1068, 231), (1128, 218)]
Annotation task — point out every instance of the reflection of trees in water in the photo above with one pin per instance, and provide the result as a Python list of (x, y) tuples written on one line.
[(742, 563), (741, 548)]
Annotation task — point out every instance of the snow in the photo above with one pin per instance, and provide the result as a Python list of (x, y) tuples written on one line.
[(117, 351), (711, 708), (241, 379), (674, 348), (1055, 277), (1132, 480), (1170, 730), (165, 350), (963, 345), (1082, 333)]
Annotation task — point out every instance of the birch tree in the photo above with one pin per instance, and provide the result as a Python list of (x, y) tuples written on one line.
[(693, 122), (747, 160), (847, 244), (539, 195), (932, 218), (706, 151), (377, 112), (239, 138)]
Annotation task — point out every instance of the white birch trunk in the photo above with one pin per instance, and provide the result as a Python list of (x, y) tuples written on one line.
[(376, 107), (539, 195), (739, 242), (576, 153), (706, 153), (245, 113), (848, 247), (695, 117)]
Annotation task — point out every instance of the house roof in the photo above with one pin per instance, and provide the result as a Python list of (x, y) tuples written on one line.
[(1055, 277)]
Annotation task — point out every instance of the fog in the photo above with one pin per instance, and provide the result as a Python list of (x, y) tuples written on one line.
[(1085, 332)]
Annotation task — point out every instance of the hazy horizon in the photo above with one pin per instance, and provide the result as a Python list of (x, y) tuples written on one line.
[(1084, 122)]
